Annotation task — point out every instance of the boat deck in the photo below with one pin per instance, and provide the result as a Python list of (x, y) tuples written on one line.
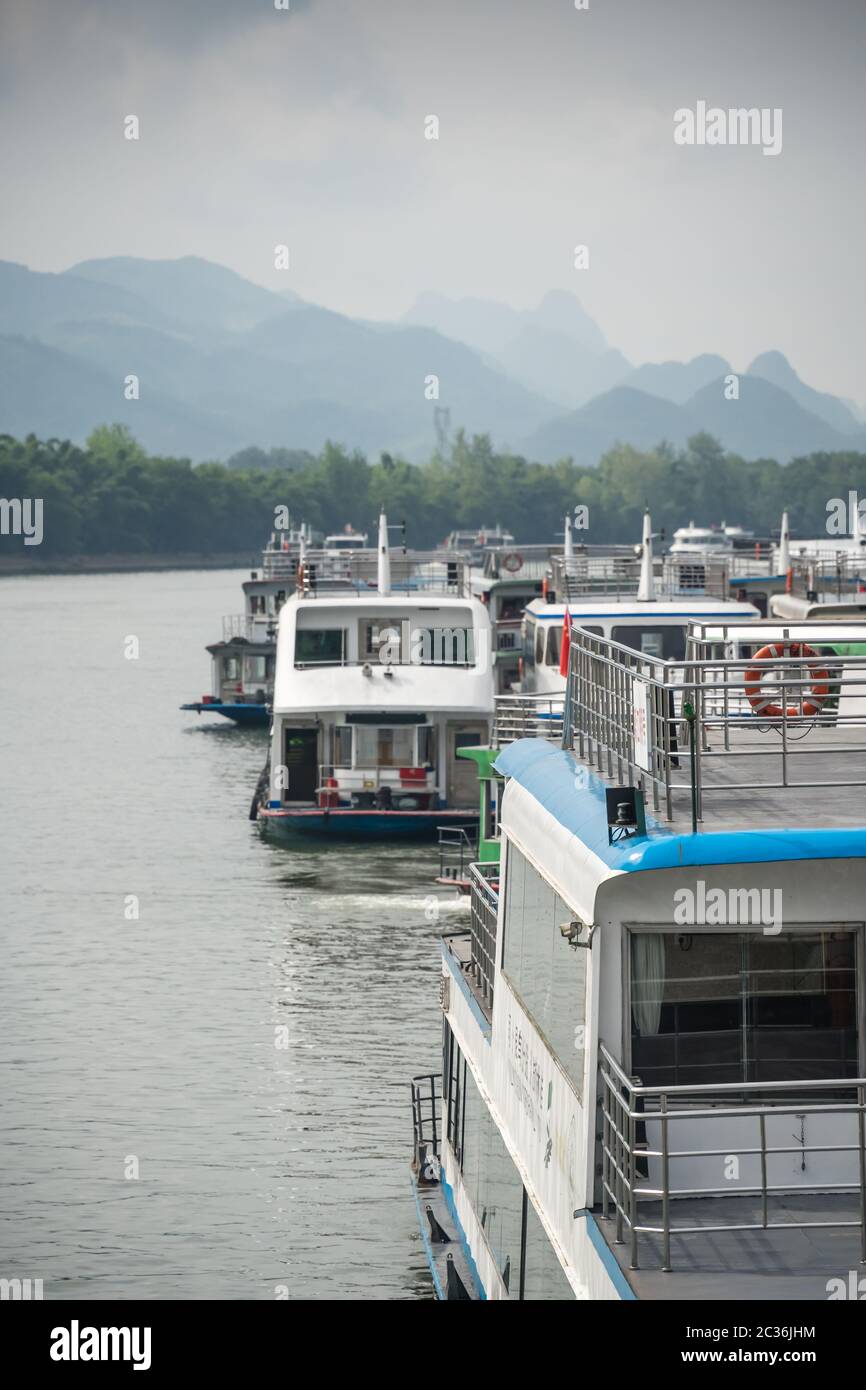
[(799, 785), (746, 1265)]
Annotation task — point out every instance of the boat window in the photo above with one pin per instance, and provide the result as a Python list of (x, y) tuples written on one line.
[(666, 642), (256, 668), (426, 745), (443, 646), (524, 1256), (743, 1006), (511, 609), (380, 639), (490, 1179), (231, 668), (529, 644), (539, 643), (384, 747), (547, 972), (554, 644), (320, 646), (343, 745)]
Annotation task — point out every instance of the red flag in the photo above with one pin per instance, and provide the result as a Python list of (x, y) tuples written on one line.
[(565, 649)]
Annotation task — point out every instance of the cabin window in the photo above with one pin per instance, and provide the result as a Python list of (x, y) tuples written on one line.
[(343, 745), (379, 747), (539, 644), (529, 645), (426, 745), (232, 668), (554, 646), (743, 1006), (443, 646), (515, 1236), (667, 643), (320, 646), (547, 972), (376, 633), (256, 668)]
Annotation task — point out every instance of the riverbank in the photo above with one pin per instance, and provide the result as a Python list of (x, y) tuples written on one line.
[(126, 564)]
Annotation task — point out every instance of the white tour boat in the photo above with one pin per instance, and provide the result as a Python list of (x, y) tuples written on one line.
[(630, 598), (383, 675), (653, 1078)]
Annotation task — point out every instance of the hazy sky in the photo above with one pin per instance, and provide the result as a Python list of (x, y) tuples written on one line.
[(556, 128)]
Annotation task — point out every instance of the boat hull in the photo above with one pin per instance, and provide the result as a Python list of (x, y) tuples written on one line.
[(252, 713), (286, 823)]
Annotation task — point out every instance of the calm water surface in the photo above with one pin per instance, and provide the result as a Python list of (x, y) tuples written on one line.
[(150, 1043)]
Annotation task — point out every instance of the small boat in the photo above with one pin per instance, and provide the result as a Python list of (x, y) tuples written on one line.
[(243, 660), (383, 676)]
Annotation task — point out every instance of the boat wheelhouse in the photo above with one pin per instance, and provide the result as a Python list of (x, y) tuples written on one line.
[(507, 580), (701, 540), (473, 541), (653, 1077), (383, 676)]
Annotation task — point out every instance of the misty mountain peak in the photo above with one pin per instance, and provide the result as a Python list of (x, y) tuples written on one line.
[(562, 312)]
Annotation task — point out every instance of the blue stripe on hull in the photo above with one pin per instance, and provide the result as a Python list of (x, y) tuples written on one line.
[(241, 714)]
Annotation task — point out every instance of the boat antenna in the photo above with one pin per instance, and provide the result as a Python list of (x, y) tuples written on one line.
[(646, 590), (568, 547), (384, 565)]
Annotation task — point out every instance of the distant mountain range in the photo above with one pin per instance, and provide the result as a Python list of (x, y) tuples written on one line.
[(223, 364)]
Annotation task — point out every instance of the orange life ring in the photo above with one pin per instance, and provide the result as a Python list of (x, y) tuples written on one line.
[(513, 561), (767, 708)]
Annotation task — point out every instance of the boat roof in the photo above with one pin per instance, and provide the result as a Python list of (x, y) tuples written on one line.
[(351, 602), (811, 631), (623, 607), (561, 819)]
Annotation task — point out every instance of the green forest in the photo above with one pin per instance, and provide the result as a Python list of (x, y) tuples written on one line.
[(110, 498)]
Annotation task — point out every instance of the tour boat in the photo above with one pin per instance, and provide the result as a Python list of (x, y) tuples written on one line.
[(653, 1077), (383, 674), (628, 597), (243, 661)]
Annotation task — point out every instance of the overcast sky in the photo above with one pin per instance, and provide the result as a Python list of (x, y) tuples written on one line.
[(556, 128)]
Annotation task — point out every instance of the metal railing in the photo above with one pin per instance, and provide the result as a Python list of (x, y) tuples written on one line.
[(614, 572), (356, 572), (519, 561), (527, 716), (458, 847), (837, 576), (625, 712), (484, 906), (241, 625), (426, 1102), (632, 1113)]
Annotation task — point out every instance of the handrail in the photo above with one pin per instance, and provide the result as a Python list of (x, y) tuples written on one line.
[(608, 681), (483, 902), (527, 716), (625, 1178)]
